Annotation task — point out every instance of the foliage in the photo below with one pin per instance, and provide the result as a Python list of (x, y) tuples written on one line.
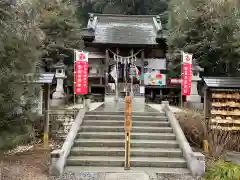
[(196, 130), (222, 171), (129, 7), (208, 29), (19, 53), (57, 19)]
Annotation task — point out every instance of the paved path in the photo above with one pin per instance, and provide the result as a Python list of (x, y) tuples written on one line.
[(126, 176), (120, 176)]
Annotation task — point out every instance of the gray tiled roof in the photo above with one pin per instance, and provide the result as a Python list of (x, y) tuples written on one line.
[(122, 29), (222, 82), (44, 78)]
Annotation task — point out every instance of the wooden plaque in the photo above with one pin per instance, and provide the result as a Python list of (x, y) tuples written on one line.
[(128, 114)]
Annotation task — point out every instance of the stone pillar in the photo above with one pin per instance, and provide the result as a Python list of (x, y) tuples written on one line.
[(107, 98), (59, 94), (140, 100), (195, 99)]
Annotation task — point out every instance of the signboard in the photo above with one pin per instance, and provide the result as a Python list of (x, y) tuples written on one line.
[(175, 80), (155, 78), (142, 90), (186, 74), (81, 73)]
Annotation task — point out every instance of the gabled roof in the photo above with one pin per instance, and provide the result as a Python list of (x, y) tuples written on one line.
[(44, 78), (124, 29), (222, 82)]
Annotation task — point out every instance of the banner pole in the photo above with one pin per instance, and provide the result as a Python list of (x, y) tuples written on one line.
[(181, 99), (116, 82), (74, 74)]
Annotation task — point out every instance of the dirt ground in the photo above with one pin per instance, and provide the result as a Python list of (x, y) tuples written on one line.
[(30, 165)]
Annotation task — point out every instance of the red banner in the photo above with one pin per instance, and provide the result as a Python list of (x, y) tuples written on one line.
[(81, 74), (186, 79)]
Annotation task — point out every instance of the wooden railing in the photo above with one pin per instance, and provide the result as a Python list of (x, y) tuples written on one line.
[(127, 128)]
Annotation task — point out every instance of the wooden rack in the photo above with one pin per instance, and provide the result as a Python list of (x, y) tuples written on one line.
[(225, 110)]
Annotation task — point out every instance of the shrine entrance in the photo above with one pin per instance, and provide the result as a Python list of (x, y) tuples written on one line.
[(124, 75)]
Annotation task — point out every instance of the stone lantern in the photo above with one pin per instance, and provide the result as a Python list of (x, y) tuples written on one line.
[(59, 94), (195, 98)]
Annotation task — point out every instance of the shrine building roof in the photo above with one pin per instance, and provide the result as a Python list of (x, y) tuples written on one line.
[(222, 82), (44, 78), (123, 29)]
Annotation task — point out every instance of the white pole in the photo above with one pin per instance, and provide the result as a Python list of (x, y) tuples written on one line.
[(116, 82), (74, 74), (181, 99), (125, 74), (132, 75)]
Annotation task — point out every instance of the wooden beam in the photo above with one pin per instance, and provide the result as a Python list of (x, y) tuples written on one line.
[(46, 124)]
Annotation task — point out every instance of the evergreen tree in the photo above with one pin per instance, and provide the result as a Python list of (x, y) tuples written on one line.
[(19, 53), (129, 7), (209, 30)]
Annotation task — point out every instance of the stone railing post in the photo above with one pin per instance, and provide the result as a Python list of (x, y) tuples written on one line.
[(55, 155)]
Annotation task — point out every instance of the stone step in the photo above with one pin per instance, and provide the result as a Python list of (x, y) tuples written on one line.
[(158, 162), (176, 171), (121, 129), (121, 123), (121, 117), (103, 161), (119, 151), (121, 143), (134, 113), (120, 135), (95, 161)]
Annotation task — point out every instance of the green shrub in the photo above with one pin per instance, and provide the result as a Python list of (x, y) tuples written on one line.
[(19, 136), (222, 171)]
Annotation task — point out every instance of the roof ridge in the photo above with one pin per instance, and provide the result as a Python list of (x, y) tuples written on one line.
[(121, 15)]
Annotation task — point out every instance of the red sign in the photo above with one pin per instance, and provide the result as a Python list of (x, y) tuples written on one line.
[(81, 74), (186, 79)]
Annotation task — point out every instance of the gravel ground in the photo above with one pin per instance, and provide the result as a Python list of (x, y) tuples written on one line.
[(96, 176), (79, 176), (34, 165), (174, 177)]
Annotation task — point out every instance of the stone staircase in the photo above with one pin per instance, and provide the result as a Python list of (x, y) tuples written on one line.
[(100, 143)]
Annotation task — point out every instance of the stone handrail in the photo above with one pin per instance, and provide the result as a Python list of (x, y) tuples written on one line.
[(59, 156), (196, 165)]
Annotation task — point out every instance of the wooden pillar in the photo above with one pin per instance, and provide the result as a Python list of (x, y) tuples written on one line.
[(106, 69), (46, 108), (205, 104), (142, 67)]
